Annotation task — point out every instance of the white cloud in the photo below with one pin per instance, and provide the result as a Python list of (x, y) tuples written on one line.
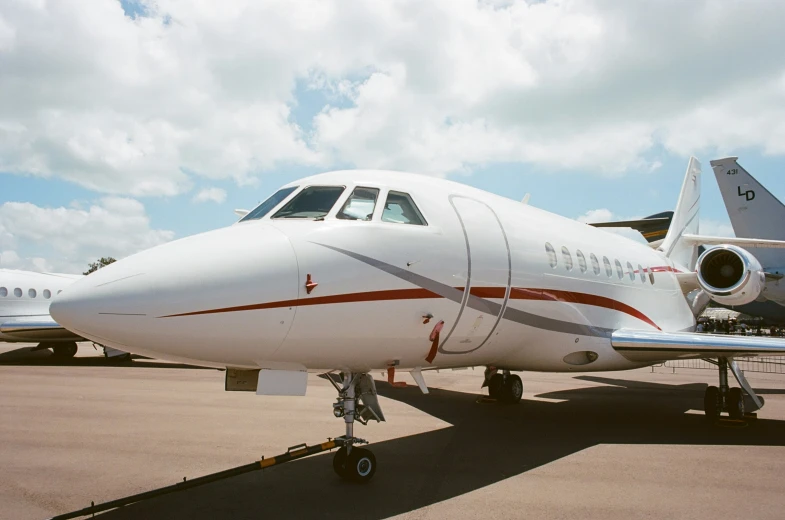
[(606, 215), (716, 229), (210, 194), (67, 239), (138, 106)]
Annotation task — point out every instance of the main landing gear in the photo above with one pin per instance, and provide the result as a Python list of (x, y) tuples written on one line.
[(505, 387), (357, 400), (61, 351), (726, 399)]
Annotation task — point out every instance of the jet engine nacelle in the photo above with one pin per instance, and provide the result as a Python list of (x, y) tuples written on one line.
[(730, 275)]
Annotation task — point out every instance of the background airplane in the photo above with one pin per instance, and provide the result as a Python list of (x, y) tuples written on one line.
[(24, 312), (755, 213), (654, 228), (348, 272)]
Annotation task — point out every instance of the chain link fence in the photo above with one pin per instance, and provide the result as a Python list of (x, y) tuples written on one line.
[(762, 364)]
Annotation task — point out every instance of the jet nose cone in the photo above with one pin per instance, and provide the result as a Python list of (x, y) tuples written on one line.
[(80, 306), (220, 298)]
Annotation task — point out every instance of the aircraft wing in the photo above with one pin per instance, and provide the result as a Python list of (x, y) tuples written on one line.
[(656, 346), (43, 328)]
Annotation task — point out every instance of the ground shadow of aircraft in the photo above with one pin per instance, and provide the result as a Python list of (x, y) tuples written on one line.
[(27, 356), (486, 443)]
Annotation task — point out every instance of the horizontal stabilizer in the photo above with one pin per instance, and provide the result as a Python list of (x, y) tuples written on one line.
[(655, 346), (733, 241)]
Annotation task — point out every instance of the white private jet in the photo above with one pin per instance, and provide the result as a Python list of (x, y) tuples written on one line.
[(353, 271), (24, 311), (25, 297)]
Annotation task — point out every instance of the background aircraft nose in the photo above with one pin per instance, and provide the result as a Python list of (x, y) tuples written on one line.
[(185, 299)]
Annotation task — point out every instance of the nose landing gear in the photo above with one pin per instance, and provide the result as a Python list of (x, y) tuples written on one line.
[(357, 400)]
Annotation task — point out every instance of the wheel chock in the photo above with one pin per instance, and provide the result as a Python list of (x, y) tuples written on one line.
[(726, 422)]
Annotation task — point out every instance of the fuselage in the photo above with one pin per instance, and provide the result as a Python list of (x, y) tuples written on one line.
[(25, 296), (463, 278)]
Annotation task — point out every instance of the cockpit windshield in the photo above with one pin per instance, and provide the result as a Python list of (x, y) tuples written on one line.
[(265, 207), (360, 205), (314, 202)]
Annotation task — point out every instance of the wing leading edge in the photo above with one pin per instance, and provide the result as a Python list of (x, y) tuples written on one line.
[(655, 346)]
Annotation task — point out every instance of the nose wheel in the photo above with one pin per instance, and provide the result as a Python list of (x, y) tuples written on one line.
[(357, 466)]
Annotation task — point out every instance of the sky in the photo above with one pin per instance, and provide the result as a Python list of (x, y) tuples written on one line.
[(126, 124)]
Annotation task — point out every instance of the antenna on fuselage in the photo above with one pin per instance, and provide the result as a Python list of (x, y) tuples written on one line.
[(526, 199)]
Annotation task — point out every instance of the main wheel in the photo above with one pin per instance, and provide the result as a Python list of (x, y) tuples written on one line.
[(496, 386), (736, 403), (64, 350), (339, 462), (512, 391), (360, 465), (712, 403)]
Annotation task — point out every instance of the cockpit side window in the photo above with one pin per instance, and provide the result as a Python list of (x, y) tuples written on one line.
[(267, 206), (314, 202), (400, 209), (360, 204)]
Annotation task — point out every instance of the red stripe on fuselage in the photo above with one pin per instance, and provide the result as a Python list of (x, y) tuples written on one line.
[(555, 295), (517, 293), (371, 296)]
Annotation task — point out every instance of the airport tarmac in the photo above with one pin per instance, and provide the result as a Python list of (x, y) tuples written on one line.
[(622, 445)]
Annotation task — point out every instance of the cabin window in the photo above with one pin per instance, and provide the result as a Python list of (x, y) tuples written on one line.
[(552, 260), (631, 272), (3, 292), (32, 293), (581, 260), (18, 292), (400, 209), (595, 264), (267, 206), (314, 203), (360, 205), (619, 269), (608, 268), (567, 258), (47, 293), (642, 273), (651, 276)]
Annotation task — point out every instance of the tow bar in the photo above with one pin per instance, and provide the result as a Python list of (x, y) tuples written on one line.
[(295, 452)]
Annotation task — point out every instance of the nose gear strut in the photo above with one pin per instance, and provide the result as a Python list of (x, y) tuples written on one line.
[(357, 400)]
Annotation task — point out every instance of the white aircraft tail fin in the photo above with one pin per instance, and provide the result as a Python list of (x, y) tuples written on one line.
[(753, 211), (686, 220)]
